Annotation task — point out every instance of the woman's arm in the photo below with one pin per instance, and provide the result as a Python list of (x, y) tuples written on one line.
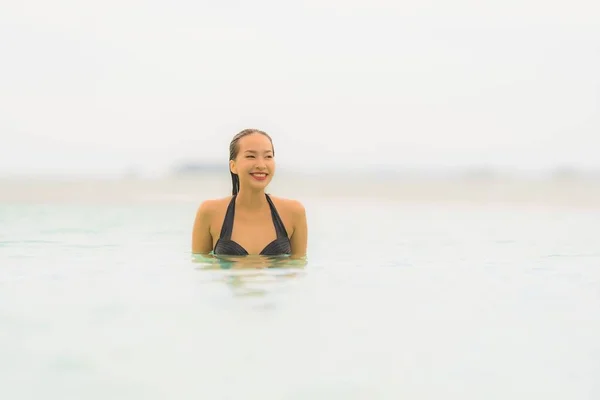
[(299, 239), (202, 242)]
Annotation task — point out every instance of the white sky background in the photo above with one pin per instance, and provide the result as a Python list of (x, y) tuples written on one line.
[(101, 86)]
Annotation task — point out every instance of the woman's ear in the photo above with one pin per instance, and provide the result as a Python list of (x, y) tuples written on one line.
[(232, 166)]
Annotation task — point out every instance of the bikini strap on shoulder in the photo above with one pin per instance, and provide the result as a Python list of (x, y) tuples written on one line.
[(227, 227), (279, 226)]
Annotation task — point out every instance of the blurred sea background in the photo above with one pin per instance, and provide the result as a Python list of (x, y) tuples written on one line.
[(446, 155)]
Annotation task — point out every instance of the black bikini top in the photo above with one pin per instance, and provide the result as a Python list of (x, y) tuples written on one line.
[(226, 246)]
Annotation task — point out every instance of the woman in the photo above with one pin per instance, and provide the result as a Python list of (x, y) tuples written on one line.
[(251, 221)]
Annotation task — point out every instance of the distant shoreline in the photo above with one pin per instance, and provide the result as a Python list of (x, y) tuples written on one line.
[(201, 171), (194, 188), (475, 171)]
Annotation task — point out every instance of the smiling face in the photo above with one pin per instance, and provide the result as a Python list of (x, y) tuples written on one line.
[(254, 163)]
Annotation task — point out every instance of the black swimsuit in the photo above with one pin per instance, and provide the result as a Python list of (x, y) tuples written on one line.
[(226, 246)]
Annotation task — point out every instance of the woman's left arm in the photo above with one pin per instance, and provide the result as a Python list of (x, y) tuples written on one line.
[(299, 239)]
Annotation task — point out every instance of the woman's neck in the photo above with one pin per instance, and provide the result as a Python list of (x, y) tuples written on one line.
[(251, 200)]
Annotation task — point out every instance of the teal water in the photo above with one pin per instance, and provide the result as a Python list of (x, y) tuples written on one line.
[(398, 300)]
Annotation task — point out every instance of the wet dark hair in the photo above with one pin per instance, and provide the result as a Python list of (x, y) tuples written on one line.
[(233, 152)]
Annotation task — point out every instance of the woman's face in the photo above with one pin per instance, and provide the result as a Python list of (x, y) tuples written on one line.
[(254, 164)]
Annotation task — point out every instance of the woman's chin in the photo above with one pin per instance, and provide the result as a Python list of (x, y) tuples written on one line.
[(258, 184)]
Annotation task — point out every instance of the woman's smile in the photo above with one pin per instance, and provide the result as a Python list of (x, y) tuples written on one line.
[(259, 176)]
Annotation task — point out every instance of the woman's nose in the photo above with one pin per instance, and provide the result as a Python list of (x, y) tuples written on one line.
[(260, 162)]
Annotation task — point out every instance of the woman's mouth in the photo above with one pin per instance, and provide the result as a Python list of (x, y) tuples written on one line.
[(259, 176)]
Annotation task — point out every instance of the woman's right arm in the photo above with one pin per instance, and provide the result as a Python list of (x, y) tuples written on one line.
[(202, 242)]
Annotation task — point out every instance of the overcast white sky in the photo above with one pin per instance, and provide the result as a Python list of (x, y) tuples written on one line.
[(89, 86)]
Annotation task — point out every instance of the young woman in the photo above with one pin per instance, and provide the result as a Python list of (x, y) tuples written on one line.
[(251, 222)]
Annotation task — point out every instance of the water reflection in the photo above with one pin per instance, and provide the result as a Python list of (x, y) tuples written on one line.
[(251, 276)]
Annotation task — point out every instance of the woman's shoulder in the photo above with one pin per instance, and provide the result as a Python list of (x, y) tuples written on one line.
[(210, 206), (292, 206)]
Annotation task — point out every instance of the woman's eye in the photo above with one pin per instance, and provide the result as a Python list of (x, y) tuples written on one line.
[(249, 156)]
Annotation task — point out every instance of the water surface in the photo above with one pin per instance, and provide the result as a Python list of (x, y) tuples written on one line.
[(398, 300)]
